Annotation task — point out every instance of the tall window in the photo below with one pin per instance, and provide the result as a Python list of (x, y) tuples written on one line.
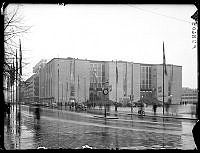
[(146, 77)]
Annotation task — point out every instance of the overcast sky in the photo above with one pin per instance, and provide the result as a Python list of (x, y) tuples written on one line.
[(132, 33)]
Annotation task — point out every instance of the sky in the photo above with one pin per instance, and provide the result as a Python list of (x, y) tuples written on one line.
[(133, 33)]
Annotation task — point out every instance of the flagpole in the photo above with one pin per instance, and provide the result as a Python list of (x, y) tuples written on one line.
[(163, 86), (16, 83), (20, 68), (116, 86), (78, 88), (58, 83), (131, 88)]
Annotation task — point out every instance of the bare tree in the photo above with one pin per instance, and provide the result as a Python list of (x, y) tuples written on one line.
[(13, 30)]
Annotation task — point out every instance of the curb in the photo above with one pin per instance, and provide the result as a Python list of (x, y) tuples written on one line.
[(149, 115), (106, 117), (163, 116)]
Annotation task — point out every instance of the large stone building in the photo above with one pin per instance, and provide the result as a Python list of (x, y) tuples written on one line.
[(65, 79)]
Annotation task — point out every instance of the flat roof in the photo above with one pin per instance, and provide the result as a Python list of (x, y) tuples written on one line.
[(99, 61)]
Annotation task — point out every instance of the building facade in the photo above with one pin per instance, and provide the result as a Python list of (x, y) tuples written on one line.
[(31, 88), (65, 79), (152, 82), (189, 96), (124, 77), (97, 80)]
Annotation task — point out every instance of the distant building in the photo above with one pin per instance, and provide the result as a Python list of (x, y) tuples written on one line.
[(189, 96), (39, 65), (31, 89)]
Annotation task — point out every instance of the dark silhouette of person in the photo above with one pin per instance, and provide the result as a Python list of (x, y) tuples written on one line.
[(196, 134), (37, 113), (116, 107), (154, 108)]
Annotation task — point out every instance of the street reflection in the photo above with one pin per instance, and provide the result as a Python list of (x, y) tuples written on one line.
[(53, 128), (154, 119)]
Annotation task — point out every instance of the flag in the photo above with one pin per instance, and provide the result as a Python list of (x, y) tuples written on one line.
[(172, 72), (95, 76), (164, 60), (74, 70), (125, 81), (116, 73), (78, 83), (20, 58), (159, 89)]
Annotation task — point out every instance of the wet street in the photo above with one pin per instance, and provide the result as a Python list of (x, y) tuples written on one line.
[(61, 128)]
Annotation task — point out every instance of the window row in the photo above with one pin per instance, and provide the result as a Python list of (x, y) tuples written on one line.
[(189, 97)]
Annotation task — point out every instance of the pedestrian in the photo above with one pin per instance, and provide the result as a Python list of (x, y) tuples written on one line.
[(154, 108), (116, 107), (196, 134)]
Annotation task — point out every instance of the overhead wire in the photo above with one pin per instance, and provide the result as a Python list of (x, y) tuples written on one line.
[(171, 17)]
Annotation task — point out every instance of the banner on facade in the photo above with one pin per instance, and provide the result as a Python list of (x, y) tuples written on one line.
[(159, 89)]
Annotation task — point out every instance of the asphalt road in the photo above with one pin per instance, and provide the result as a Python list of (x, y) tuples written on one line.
[(53, 129)]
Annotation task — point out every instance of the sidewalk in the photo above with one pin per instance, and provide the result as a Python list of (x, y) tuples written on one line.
[(127, 111)]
